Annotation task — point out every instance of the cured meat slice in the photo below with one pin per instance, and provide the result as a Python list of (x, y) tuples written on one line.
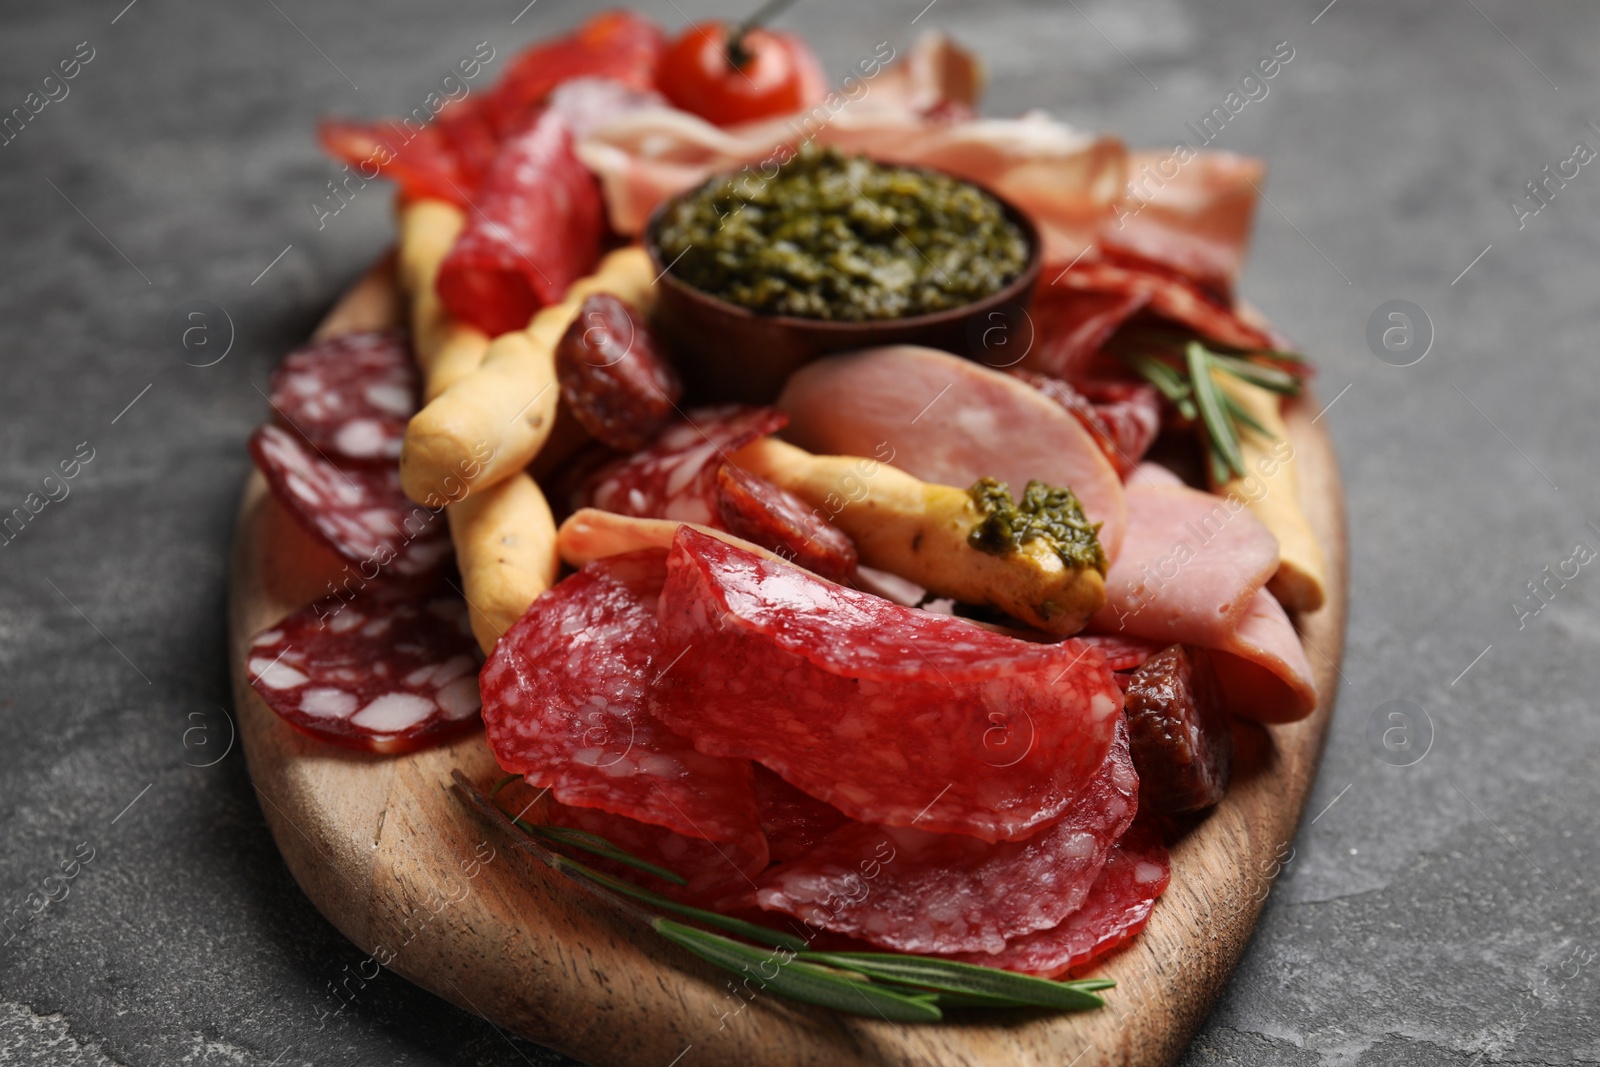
[(1178, 732), (535, 228), (950, 421), (424, 162), (890, 714), (795, 822), (589, 103), (1123, 417), (1117, 907), (1195, 221), (359, 512), (614, 378), (1170, 297), (764, 514), (914, 891), (1070, 325), (1192, 572), (616, 45), (349, 396), (1191, 565), (564, 705), (1263, 668), (676, 476), (1122, 653), (381, 671), (713, 870)]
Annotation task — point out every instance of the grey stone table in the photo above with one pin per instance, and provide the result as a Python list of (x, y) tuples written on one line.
[(1437, 912)]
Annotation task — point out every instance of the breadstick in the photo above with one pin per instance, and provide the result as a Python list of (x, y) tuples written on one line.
[(447, 350), (505, 540), (506, 407)]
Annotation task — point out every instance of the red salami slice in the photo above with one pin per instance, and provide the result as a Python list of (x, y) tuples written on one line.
[(1117, 907), (714, 871), (794, 822), (618, 45), (675, 477), (1070, 325), (382, 671), (359, 512), (1124, 418), (780, 522), (1170, 297), (350, 396), (1122, 653), (890, 714), (535, 228), (913, 891), (424, 163), (564, 705)]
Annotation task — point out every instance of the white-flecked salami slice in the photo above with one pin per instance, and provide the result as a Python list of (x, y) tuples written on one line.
[(350, 396), (1117, 907), (890, 714), (675, 476), (913, 891), (565, 694), (382, 671), (359, 512)]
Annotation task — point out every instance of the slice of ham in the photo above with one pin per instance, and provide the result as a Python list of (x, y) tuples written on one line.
[(1064, 179), (1192, 571), (951, 421), (1193, 217)]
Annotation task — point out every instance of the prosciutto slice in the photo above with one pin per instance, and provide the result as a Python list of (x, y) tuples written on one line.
[(1192, 217), (1192, 571), (951, 421)]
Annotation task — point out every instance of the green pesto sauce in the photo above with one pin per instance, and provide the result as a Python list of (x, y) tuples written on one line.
[(842, 238), (1044, 512)]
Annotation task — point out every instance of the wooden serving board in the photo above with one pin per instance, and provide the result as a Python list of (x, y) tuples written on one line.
[(398, 863)]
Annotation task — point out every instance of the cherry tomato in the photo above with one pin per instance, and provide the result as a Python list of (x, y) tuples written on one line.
[(780, 75)]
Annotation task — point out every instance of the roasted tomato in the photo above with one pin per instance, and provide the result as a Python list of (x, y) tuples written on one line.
[(739, 75)]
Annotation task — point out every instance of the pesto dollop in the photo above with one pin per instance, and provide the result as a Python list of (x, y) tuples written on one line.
[(1046, 512), (842, 238)]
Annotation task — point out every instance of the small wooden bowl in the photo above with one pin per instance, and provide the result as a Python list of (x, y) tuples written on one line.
[(729, 353)]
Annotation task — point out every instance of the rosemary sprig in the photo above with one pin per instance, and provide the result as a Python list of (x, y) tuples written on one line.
[(1221, 433), (894, 986)]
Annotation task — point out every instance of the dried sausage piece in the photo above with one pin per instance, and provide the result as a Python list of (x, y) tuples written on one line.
[(613, 376), (359, 512), (890, 714), (675, 476), (564, 704), (1124, 418), (535, 229), (382, 671), (350, 396), (774, 518), (913, 891), (1117, 907), (1179, 731)]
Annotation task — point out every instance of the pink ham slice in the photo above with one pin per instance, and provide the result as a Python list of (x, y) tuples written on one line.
[(1192, 572), (565, 693), (948, 420), (1196, 222), (892, 715), (914, 891)]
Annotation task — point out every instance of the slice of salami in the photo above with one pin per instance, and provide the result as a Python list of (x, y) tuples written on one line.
[(890, 714), (535, 228), (618, 45), (794, 822), (780, 522), (614, 378), (1117, 907), (675, 477), (359, 512), (1122, 653), (383, 671), (713, 870), (913, 891), (564, 705), (1170, 297), (1124, 418), (1071, 324), (350, 396)]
